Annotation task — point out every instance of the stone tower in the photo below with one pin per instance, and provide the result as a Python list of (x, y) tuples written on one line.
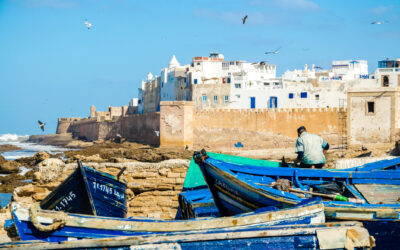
[(92, 111)]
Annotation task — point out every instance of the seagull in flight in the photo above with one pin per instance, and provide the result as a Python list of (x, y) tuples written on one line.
[(157, 133), (41, 125), (317, 67), (244, 19), (379, 22), (273, 52), (88, 25)]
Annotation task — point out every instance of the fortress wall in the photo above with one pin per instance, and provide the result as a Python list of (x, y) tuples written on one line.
[(141, 128), (64, 124), (261, 128)]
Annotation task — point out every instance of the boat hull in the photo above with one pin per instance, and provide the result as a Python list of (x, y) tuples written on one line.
[(83, 226), (320, 236), (88, 191)]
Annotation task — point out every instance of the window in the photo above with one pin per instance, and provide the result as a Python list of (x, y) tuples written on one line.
[(370, 108), (303, 95), (276, 83), (237, 96), (266, 83), (195, 81), (291, 95), (215, 99), (228, 80), (204, 98), (226, 99), (198, 63), (385, 81), (317, 97), (238, 85)]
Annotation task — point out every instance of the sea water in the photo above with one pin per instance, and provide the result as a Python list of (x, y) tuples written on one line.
[(27, 149), (5, 198)]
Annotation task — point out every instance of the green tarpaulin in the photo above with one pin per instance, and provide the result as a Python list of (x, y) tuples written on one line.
[(194, 177)]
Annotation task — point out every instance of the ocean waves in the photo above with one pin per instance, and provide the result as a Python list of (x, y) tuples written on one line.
[(13, 138), (27, 149)]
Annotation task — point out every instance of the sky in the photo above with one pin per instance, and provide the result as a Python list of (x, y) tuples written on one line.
[(52, 66)]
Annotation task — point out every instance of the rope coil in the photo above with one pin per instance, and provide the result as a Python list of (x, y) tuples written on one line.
[(58, 221)]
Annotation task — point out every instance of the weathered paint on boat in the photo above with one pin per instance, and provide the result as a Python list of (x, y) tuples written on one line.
[(347, 235), (238, 189), (197, 203), (85, 226), (196, 200), (88, 191)]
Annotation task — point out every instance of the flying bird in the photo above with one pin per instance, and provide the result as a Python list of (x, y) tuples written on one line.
[(41, 125), (318, 67), (244, 19), (88, 25), (273, 52), (157, 133), (379, 22)]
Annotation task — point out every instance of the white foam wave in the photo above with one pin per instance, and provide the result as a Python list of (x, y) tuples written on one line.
[(13, 138), (29, 149)]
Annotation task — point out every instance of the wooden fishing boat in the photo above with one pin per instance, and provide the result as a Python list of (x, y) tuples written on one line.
[(53, 226), (88, 191), (345, 235), (196, 200), (372, 196)]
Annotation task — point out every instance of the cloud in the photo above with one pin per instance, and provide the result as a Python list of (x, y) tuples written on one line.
[(54, 4), (379, 10), (296, 5)]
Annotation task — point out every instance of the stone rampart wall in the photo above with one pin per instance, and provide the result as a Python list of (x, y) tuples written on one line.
[(261, 128), (142, 128), (64, 124)]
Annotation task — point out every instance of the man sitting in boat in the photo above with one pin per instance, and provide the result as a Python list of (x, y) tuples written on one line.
[(310, 149)]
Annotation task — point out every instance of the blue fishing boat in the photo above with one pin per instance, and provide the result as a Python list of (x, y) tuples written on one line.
[(196, 200), (368, 196), (88, 191), (345, 235), (53, 226)]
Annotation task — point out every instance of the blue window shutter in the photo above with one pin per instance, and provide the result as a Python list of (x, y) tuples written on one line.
[(195, 81), (291, 95), (303, 94)]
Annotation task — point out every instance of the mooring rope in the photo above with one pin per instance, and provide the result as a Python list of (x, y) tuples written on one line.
[(58, 221)]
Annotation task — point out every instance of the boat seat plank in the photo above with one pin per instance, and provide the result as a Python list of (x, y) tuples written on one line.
[(379, 193)]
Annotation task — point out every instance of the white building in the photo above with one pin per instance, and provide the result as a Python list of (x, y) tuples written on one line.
[(211, 82), (388, 73), (298, 75)]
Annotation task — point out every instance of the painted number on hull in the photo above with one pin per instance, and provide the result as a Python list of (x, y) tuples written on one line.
[(64, 202), (108, 190)]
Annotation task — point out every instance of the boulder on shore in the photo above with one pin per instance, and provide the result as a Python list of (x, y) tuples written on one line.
[(8, 167), (49, 170)]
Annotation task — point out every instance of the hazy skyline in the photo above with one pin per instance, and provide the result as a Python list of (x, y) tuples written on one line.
[(52, 66)]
